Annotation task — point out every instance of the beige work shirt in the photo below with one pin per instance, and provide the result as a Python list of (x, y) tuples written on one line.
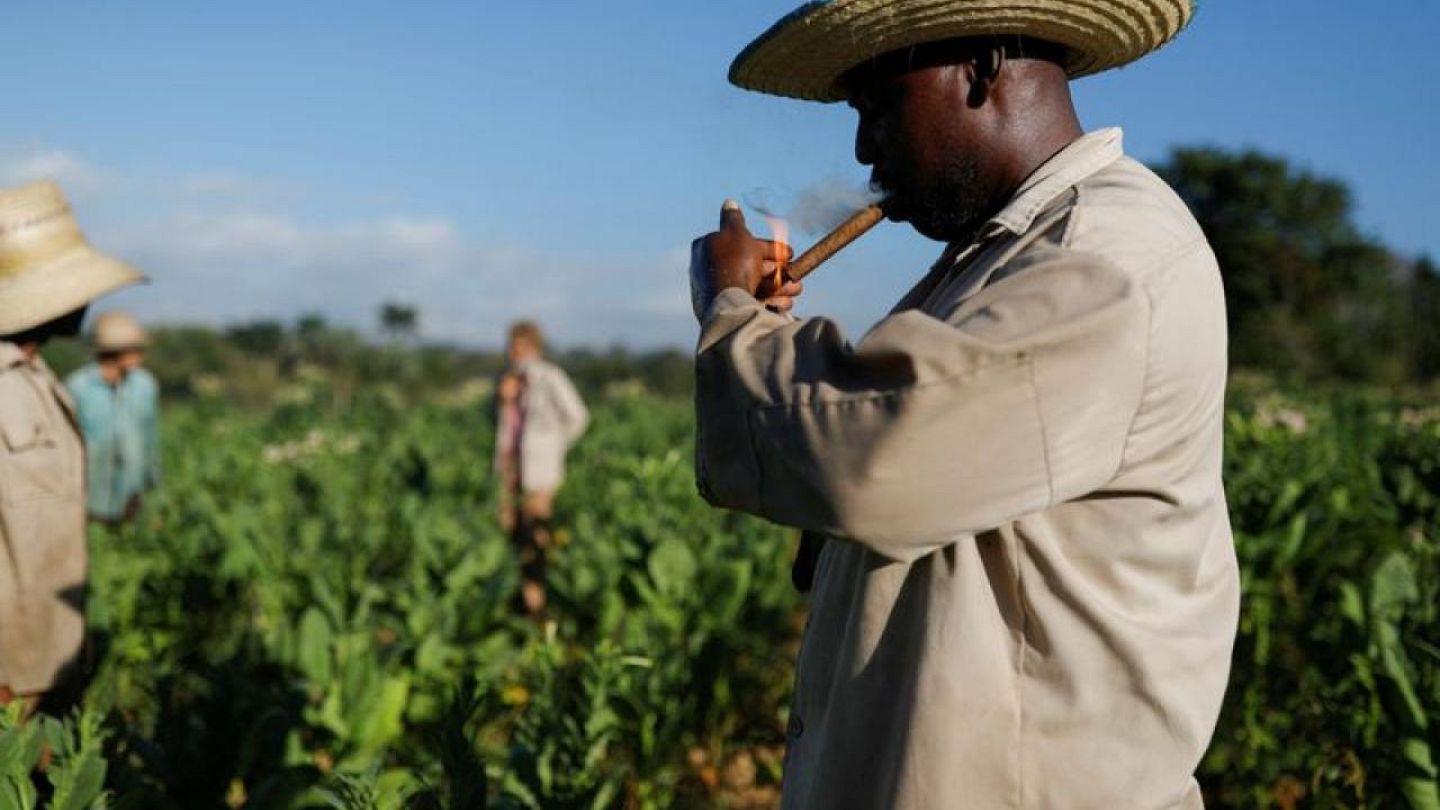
[(1036, 598), (554, 417), (42, 526)]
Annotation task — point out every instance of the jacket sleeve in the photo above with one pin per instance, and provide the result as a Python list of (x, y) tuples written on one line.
[(930, 429), (574, 416)]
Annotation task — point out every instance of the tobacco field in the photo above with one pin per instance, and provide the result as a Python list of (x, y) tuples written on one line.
[(315, 612)]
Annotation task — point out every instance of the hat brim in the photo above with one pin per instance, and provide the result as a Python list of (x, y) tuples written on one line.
[(139, 344), (46, 292), (806, 53)]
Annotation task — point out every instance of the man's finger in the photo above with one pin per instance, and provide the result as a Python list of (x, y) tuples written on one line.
[(780, 303), (731, 216), (786, 288)]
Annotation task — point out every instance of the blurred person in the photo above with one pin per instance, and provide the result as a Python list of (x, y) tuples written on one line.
[(118, 405), (538, 417), (1024, 585), (48, 276)]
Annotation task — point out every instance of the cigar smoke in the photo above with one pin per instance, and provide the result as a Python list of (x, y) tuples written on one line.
[(840, 210), (819, 208), (822, 207)]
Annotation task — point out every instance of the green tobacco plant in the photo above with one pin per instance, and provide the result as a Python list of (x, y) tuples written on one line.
[(75, 771), (314, 611), (1332, 685), (1386, 669)]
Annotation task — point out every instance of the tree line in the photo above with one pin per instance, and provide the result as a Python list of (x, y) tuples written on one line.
[(1311, 299)]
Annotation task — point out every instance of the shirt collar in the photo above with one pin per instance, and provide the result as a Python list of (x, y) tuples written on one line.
[(1084, 156), (11, 356)]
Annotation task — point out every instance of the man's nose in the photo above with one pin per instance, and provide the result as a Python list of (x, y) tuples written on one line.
[(865, 151)]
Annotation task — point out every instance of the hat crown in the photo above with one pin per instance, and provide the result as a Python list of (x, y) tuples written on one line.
[(805, 54), (47, 269), (36, 227), (116, 331)]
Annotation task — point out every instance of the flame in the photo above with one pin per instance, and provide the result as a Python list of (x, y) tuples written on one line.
[(779, 236)]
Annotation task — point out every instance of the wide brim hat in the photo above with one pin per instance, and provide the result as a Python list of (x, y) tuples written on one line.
[(47, 269), (117, 331), (806, 53)]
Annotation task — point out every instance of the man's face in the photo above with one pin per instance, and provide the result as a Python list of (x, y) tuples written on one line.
[(926, 144), (132, 359), (67, 325), (522, 349)]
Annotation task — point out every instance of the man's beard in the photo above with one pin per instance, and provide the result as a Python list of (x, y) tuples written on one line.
[(950, 207)]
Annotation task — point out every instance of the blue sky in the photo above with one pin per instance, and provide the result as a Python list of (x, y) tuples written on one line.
[(485, 161)]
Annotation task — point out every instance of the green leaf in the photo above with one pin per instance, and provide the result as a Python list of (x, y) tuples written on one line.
[(1419, 785), (433, 656), (1352, 604), (1392, 587), (78, 782), (605, 797), (379, 723), (17, 793), (19, 750), (672, 566), (738, 575), (314, 654)]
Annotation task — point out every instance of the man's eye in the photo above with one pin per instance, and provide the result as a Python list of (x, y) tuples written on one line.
[(878, 107)]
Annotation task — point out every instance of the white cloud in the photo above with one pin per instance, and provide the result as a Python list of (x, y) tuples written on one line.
[(222, 247), (226, 267), (19, 165)]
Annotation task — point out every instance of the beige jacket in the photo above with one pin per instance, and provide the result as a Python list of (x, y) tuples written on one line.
[(1037, 597), (554, 419), (42, 526)]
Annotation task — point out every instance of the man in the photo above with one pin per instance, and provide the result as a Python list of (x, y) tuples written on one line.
[(117, 402), (539, 416), (1028, 595), (48, 275)]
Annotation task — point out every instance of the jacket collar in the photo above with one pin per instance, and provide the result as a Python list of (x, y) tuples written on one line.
[(11, 356), (1084, 156)]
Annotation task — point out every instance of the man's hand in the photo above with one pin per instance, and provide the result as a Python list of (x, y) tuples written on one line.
[(731, 257)]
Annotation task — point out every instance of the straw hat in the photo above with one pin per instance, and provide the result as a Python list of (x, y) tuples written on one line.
[(47, 269), (805, 53), (117, 331)]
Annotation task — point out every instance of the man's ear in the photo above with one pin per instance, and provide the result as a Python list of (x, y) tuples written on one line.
[(984, 70)]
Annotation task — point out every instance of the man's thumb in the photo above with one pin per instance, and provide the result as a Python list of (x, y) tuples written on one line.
[(731, 216)]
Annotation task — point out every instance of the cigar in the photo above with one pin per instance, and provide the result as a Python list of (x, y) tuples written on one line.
[(848, 231)]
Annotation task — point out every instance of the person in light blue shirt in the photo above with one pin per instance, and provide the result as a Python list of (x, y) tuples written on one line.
[(117, 403)]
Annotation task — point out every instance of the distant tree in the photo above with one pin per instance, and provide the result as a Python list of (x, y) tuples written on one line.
[(399, 321), (265, 338), (310, 324), (1423, 299), (1307, 293)]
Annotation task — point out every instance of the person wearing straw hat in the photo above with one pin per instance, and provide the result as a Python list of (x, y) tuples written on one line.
[(118, 405), (1024, 591), (48, 276)]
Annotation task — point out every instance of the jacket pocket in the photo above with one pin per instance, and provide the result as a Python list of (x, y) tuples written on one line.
[(34, 463)]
